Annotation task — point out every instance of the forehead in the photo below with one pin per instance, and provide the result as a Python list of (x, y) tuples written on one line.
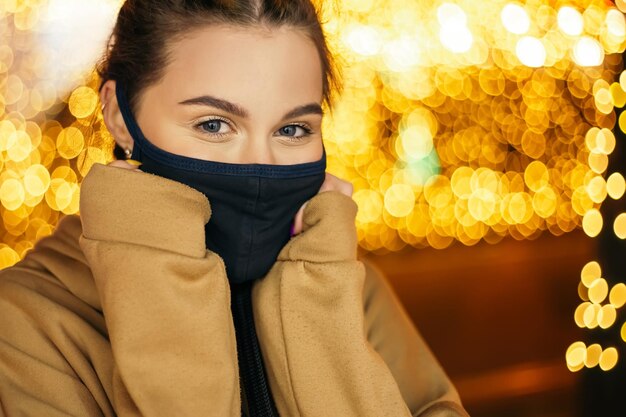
[(245, 64)]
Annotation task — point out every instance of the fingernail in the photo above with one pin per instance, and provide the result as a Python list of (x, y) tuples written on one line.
[(293, 226), (133, 162)]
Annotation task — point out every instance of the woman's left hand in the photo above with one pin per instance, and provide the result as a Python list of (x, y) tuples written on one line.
[(331, 183)]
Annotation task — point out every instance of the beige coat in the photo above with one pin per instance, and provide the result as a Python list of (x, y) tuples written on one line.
[(123, 311)]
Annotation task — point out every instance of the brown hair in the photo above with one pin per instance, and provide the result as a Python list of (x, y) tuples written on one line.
[(137, 52)]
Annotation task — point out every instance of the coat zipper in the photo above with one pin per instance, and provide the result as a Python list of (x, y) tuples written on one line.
[(252, 375)]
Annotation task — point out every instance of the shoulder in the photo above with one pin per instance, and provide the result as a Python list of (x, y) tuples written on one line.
[(56, 262), (48, 332), (424, 384), (51, 280), (383, 309), (375, 280)]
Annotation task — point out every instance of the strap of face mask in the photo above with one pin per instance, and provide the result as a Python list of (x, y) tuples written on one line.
[(129, 120)]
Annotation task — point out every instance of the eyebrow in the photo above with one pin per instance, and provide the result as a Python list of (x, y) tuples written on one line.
[(227, 106)]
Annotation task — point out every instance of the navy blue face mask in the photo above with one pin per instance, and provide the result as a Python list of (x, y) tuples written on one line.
[(252, 205)]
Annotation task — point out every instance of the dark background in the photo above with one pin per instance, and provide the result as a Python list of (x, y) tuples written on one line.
[(500, 319)]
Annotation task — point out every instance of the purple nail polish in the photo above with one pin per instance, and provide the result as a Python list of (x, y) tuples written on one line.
[(291, 230)]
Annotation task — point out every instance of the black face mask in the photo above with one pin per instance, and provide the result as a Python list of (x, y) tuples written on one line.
[(253, 205)]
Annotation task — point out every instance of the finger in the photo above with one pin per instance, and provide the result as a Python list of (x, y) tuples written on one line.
[(123, 164), (297, 222), (348, 188), (335, 183)]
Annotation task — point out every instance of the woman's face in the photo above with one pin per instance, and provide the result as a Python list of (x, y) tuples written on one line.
[(236, 95)]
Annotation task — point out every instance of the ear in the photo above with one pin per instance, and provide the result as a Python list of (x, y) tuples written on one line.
[(113, 119)]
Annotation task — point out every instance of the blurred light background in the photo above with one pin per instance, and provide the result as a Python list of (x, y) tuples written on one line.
[(485, 143)]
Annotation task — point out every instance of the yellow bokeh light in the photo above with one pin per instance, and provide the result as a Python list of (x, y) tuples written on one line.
[(583, 292), (608, 359), (615, 23), (579, 314), (482, 204), (588, 52), (592, 223), (7, 135), (603, 99), (536, 176), (36, 180), (570, 21), (606, 316), (461, 182), (618, 95), (545, 202), (619, 226), (617, 296), (596, 189), (531, 52), (83, 102), (590, 315), (592, 357), (615, 186), (575, 356), (370, 205), (12, 194), (63, 195), (70, 142), (598, 290), (415, 142), (605, 141), (8, 256), (454, 33), (515, 18), (89, 156), (363, 40), (520, 207), (399, 200), (598, 162), (621, 122), (20, 147)]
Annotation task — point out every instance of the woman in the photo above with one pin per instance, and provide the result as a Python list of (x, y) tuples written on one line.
[(214, 271)]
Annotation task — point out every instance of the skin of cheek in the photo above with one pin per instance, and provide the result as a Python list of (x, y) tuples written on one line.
[(268, 72)]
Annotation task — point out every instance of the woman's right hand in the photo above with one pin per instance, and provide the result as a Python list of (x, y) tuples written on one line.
[(330, 183)]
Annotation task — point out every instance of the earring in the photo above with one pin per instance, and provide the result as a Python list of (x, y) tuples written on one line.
[(129, 153)]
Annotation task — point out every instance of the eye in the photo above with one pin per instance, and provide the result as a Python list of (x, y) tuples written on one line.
[(291, 130), (214, 127)]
